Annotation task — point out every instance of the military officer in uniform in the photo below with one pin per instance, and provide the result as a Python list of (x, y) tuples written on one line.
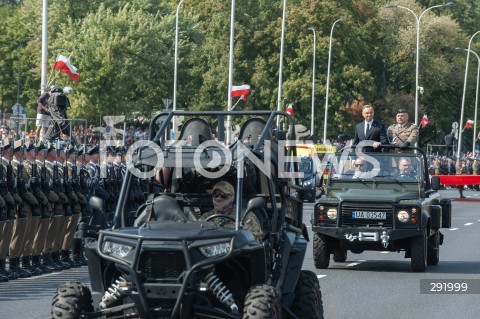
[(223, 197), (6, 219), (25, 228), (403, 133)]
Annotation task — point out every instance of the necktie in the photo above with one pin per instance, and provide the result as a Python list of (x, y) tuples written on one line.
[(368, 129)]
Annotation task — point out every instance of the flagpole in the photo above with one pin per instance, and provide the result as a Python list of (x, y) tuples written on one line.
[(43, 80), (174, 119), (230, 74), (280, 68), (237, 102)]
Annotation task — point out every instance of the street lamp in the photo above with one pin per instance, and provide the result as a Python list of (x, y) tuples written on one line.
[(325, 124), (476, 97), (174, 122), (464, 93), (417, 18), (282, 44), (313, 81)]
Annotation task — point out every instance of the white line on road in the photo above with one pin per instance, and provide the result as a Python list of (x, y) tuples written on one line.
[(468, 224), (384, 252), (353, 264), (321, 276), (453, 229)]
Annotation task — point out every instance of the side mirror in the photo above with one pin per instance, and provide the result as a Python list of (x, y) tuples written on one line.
[(435, 183)]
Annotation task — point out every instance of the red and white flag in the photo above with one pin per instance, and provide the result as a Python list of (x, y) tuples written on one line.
[(63, 64), (241, 90), (289, 109), (469, 124), (425, 121)]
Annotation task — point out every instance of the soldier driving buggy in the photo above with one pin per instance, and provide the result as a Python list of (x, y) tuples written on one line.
[(171, 265)]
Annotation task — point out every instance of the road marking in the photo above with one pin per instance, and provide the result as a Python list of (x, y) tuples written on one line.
[(452, 228), (321, 276), (468, 224), (384, 252), (352, 264)]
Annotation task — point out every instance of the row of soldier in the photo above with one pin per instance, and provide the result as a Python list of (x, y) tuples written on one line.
[(44, 198)]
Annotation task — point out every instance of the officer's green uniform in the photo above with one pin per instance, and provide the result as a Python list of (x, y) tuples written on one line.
[(400, 134)]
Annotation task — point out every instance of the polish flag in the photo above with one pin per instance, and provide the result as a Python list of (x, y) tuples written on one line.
[(289, 109), (63, 64), (469, 124), (241, 90), (425, 121)]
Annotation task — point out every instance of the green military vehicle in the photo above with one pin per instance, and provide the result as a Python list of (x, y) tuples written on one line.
[(164, 260), (381, 208)]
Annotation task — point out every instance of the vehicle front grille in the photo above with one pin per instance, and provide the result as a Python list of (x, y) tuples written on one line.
[(348, 208), (162, 265)]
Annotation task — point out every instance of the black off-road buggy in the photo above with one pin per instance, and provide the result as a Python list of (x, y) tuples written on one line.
[(160, 261)]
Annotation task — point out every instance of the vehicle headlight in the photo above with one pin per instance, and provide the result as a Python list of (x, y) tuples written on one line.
[(403, 216), (332, 213), (215, 249), (308, 182), (116, 249)]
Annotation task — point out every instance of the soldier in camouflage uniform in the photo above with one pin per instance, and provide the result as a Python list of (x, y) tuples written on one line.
[(402, 133), (223, 196)]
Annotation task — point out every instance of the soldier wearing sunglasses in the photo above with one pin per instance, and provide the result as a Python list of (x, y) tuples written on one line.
[(223, 198)]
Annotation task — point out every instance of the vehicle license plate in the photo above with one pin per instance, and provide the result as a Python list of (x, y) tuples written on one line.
[(369, 215)]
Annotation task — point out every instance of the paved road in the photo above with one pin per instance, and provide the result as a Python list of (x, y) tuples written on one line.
[(368, 285)]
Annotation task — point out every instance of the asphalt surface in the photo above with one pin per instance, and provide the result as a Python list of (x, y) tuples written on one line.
[(367, 285)]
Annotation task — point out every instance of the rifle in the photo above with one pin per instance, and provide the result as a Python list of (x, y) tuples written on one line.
[(21, 184), (36, 186), (10, 181)]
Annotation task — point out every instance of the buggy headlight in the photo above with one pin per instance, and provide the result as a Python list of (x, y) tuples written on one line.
[(215, 249), (307, 182), (115, 249), (403, 216)]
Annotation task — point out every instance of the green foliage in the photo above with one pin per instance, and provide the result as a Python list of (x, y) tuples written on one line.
[(124, 52)]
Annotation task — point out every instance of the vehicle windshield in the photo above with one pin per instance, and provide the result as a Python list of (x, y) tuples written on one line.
[(388, 166), (306, 167)]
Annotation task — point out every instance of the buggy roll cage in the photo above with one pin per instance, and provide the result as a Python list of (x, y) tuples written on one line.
[(119, 219)]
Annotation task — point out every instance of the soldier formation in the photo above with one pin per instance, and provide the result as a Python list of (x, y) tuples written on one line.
[(44, 200)]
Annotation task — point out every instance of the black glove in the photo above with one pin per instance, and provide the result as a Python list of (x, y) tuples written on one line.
[(405, 145)]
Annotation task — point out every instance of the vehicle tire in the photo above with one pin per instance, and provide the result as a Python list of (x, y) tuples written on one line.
[(307, 303), (433, 249), (321, 251), (339, 255), (418, 252), (71, 301), (261, 302)]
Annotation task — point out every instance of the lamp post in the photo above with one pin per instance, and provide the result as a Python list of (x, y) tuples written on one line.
[(280, 68), (464, 93), (476, 96), (325, 124), (174, 120), (418, 18), (312, 133)]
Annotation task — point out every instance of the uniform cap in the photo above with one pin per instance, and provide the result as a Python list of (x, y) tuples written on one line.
[(70, 151), (30, 146), (225, 187), (17, 145), (51, 147), (401, 111), (40, 147), (5, 144), (94, 150)]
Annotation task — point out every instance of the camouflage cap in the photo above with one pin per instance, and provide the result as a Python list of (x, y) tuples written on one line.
[(30, 146), (225, 187), (5, 144), (402, 111)]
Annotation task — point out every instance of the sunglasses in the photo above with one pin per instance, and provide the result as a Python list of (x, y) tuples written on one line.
[(358, 165), (220, 194)]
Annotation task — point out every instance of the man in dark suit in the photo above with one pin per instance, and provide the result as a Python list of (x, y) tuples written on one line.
[(370, 130)]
